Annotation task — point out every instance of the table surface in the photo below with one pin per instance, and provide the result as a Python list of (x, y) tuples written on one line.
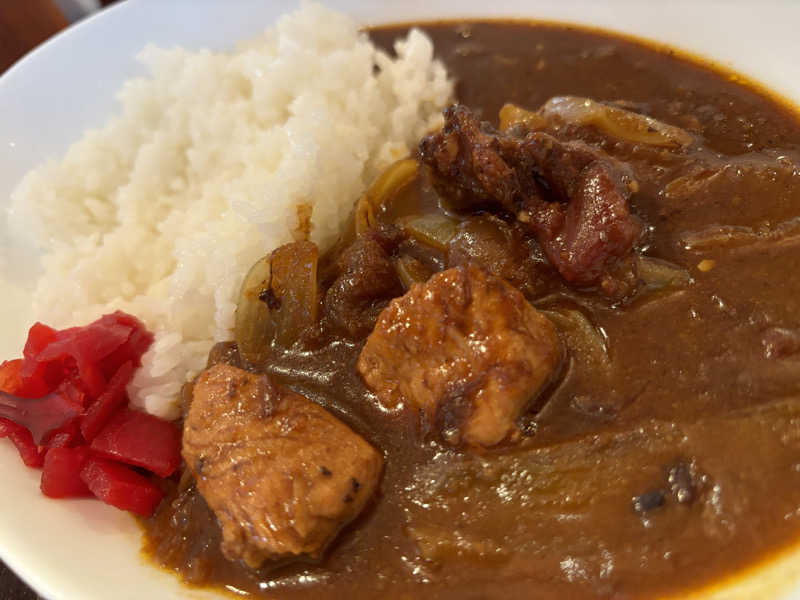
[(24, 24)]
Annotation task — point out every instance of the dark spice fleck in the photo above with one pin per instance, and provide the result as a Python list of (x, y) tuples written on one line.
[(355, 483), (348, 499), (527, 425), (649, 501), (326, 472), (269, 298)]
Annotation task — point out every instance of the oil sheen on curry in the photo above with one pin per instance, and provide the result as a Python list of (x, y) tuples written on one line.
[(558, 354)]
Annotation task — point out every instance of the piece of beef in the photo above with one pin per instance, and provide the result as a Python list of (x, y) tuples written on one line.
[(589, 228), (470, 165), (574, 197), (281, 473), (467, 351), (366, 280)]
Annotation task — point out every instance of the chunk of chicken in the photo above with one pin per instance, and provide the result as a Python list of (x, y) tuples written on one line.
[(281, 473), (467, 351)]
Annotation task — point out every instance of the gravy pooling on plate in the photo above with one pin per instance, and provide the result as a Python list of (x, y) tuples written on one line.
[(657, 448)]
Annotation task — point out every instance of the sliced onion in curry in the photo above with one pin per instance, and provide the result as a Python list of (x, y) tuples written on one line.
[(584, 340), (278, 300), (383, 189), (616, 122), (411, 271), (512, 115), (433, 229), (253, 328), (610, 120), (660, 274), (737, 236)]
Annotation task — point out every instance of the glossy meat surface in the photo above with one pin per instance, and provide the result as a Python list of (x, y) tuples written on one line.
[(592, 227), (281, 474), (473, 163), (467, 351), (574, 197)]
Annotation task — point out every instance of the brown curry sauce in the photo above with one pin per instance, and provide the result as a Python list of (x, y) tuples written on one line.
[(676, 463)]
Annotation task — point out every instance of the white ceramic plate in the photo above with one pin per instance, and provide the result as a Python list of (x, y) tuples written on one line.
[(83, 549)]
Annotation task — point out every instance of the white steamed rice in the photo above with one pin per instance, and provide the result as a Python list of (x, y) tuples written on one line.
[(162, 211)]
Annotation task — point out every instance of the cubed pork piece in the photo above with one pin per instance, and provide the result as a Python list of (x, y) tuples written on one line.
[(280, 472), (467, 351)]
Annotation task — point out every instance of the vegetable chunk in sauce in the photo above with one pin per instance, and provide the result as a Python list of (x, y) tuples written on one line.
[(648, 449)]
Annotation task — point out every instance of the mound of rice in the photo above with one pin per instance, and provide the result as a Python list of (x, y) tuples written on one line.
[(161, 212)]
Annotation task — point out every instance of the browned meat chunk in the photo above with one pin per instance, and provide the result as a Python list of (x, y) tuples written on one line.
[(591, 227), (574, 197), (281, 474), (466, 350), (467, 157), (366, 280)]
